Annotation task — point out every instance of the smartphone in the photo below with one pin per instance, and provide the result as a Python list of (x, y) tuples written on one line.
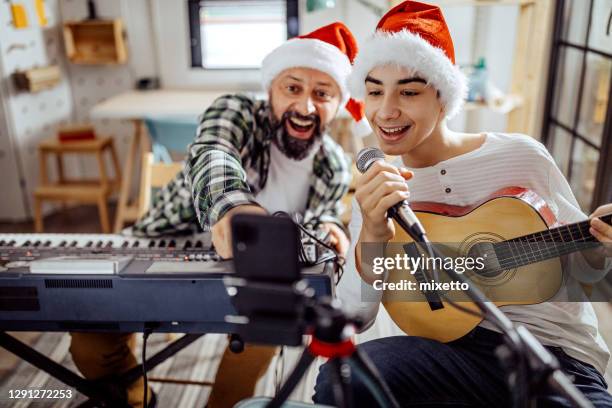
[(266, 255), (265, 248)]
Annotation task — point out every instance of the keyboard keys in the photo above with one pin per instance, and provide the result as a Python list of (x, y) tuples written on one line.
[(182, 249)]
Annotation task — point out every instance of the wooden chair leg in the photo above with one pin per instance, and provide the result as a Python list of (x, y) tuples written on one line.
[(38, 217), (115, 160), (103, 210)]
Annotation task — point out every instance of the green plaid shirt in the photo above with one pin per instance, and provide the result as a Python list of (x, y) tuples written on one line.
[(227, 165)]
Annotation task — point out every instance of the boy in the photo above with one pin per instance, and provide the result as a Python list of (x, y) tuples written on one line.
[(411, 86)]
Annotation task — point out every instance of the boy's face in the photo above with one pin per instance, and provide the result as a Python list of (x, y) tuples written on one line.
[(401, 108)]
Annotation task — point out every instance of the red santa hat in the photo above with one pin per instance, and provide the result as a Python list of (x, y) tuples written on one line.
[(414, 35), (330, 49)]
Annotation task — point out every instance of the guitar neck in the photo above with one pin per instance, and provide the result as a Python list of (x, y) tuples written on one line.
[(547, 244)]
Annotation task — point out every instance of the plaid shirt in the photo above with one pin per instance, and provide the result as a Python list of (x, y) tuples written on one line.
[(227, 165)]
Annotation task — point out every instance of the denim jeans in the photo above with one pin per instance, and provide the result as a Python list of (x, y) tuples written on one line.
[(463, 373)]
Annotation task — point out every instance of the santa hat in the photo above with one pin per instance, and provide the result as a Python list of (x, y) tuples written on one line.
[(330, 49), (414, 35)]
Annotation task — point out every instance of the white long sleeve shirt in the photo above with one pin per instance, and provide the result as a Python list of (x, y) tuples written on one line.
[(503, 160)]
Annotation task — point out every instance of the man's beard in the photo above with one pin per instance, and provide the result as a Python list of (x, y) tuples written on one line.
[(292, 147)]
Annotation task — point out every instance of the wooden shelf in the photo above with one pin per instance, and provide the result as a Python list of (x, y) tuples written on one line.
[(503, 105), (95, 42), (37, 79)]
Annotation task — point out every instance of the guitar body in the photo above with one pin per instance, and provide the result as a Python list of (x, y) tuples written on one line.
[(510, 213)]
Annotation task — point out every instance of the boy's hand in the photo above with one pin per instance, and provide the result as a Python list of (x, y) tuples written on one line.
[(603, 233), (377, 190)]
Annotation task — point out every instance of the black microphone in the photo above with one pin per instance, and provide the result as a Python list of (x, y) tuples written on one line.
[(400, 212)]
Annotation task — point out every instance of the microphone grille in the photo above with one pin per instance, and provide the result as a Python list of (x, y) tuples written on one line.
[(366, 157)]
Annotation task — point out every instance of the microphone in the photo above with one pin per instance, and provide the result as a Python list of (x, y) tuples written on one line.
[(400, 212)]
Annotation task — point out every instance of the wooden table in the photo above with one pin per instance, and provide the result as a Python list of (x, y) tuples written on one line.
[(135, 106)]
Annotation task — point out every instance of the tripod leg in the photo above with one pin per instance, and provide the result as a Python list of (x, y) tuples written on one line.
[(296, 375), (343, 394), (373, 380)]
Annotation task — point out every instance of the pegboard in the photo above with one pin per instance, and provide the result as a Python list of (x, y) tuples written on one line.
[(30, 117)]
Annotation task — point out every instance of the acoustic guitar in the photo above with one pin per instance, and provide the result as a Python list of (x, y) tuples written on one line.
[(520, 241)]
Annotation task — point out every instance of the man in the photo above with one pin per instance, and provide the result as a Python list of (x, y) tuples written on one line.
[(254, 157), (258, 140), (411, 86)]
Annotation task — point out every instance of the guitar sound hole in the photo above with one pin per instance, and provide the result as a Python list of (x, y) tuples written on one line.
[(484, 252), (481, 245)]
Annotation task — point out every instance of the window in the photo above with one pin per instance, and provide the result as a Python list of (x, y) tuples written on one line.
[(237, 34), (578, 122)]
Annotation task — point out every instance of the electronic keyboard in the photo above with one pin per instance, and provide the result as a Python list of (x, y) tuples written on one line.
[(104, 282)]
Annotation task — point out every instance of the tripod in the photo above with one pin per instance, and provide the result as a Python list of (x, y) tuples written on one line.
[(275, 307), (331, 338), (331, 330)]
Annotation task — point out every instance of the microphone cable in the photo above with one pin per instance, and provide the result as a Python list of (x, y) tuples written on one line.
[(336, 257)]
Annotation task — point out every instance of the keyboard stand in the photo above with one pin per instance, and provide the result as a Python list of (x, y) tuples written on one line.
[(103, 391)]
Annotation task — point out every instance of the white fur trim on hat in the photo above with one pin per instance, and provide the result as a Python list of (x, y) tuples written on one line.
[(410, 50), (308, 53), (362, 128)]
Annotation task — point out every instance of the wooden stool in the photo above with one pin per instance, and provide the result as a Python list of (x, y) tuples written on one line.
[(82, 190)]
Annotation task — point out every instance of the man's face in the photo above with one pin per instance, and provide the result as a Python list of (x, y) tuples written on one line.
[(304, 101), (401, 108)]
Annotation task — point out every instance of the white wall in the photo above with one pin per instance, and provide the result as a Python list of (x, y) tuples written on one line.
[(28, 117), (496, 29)]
